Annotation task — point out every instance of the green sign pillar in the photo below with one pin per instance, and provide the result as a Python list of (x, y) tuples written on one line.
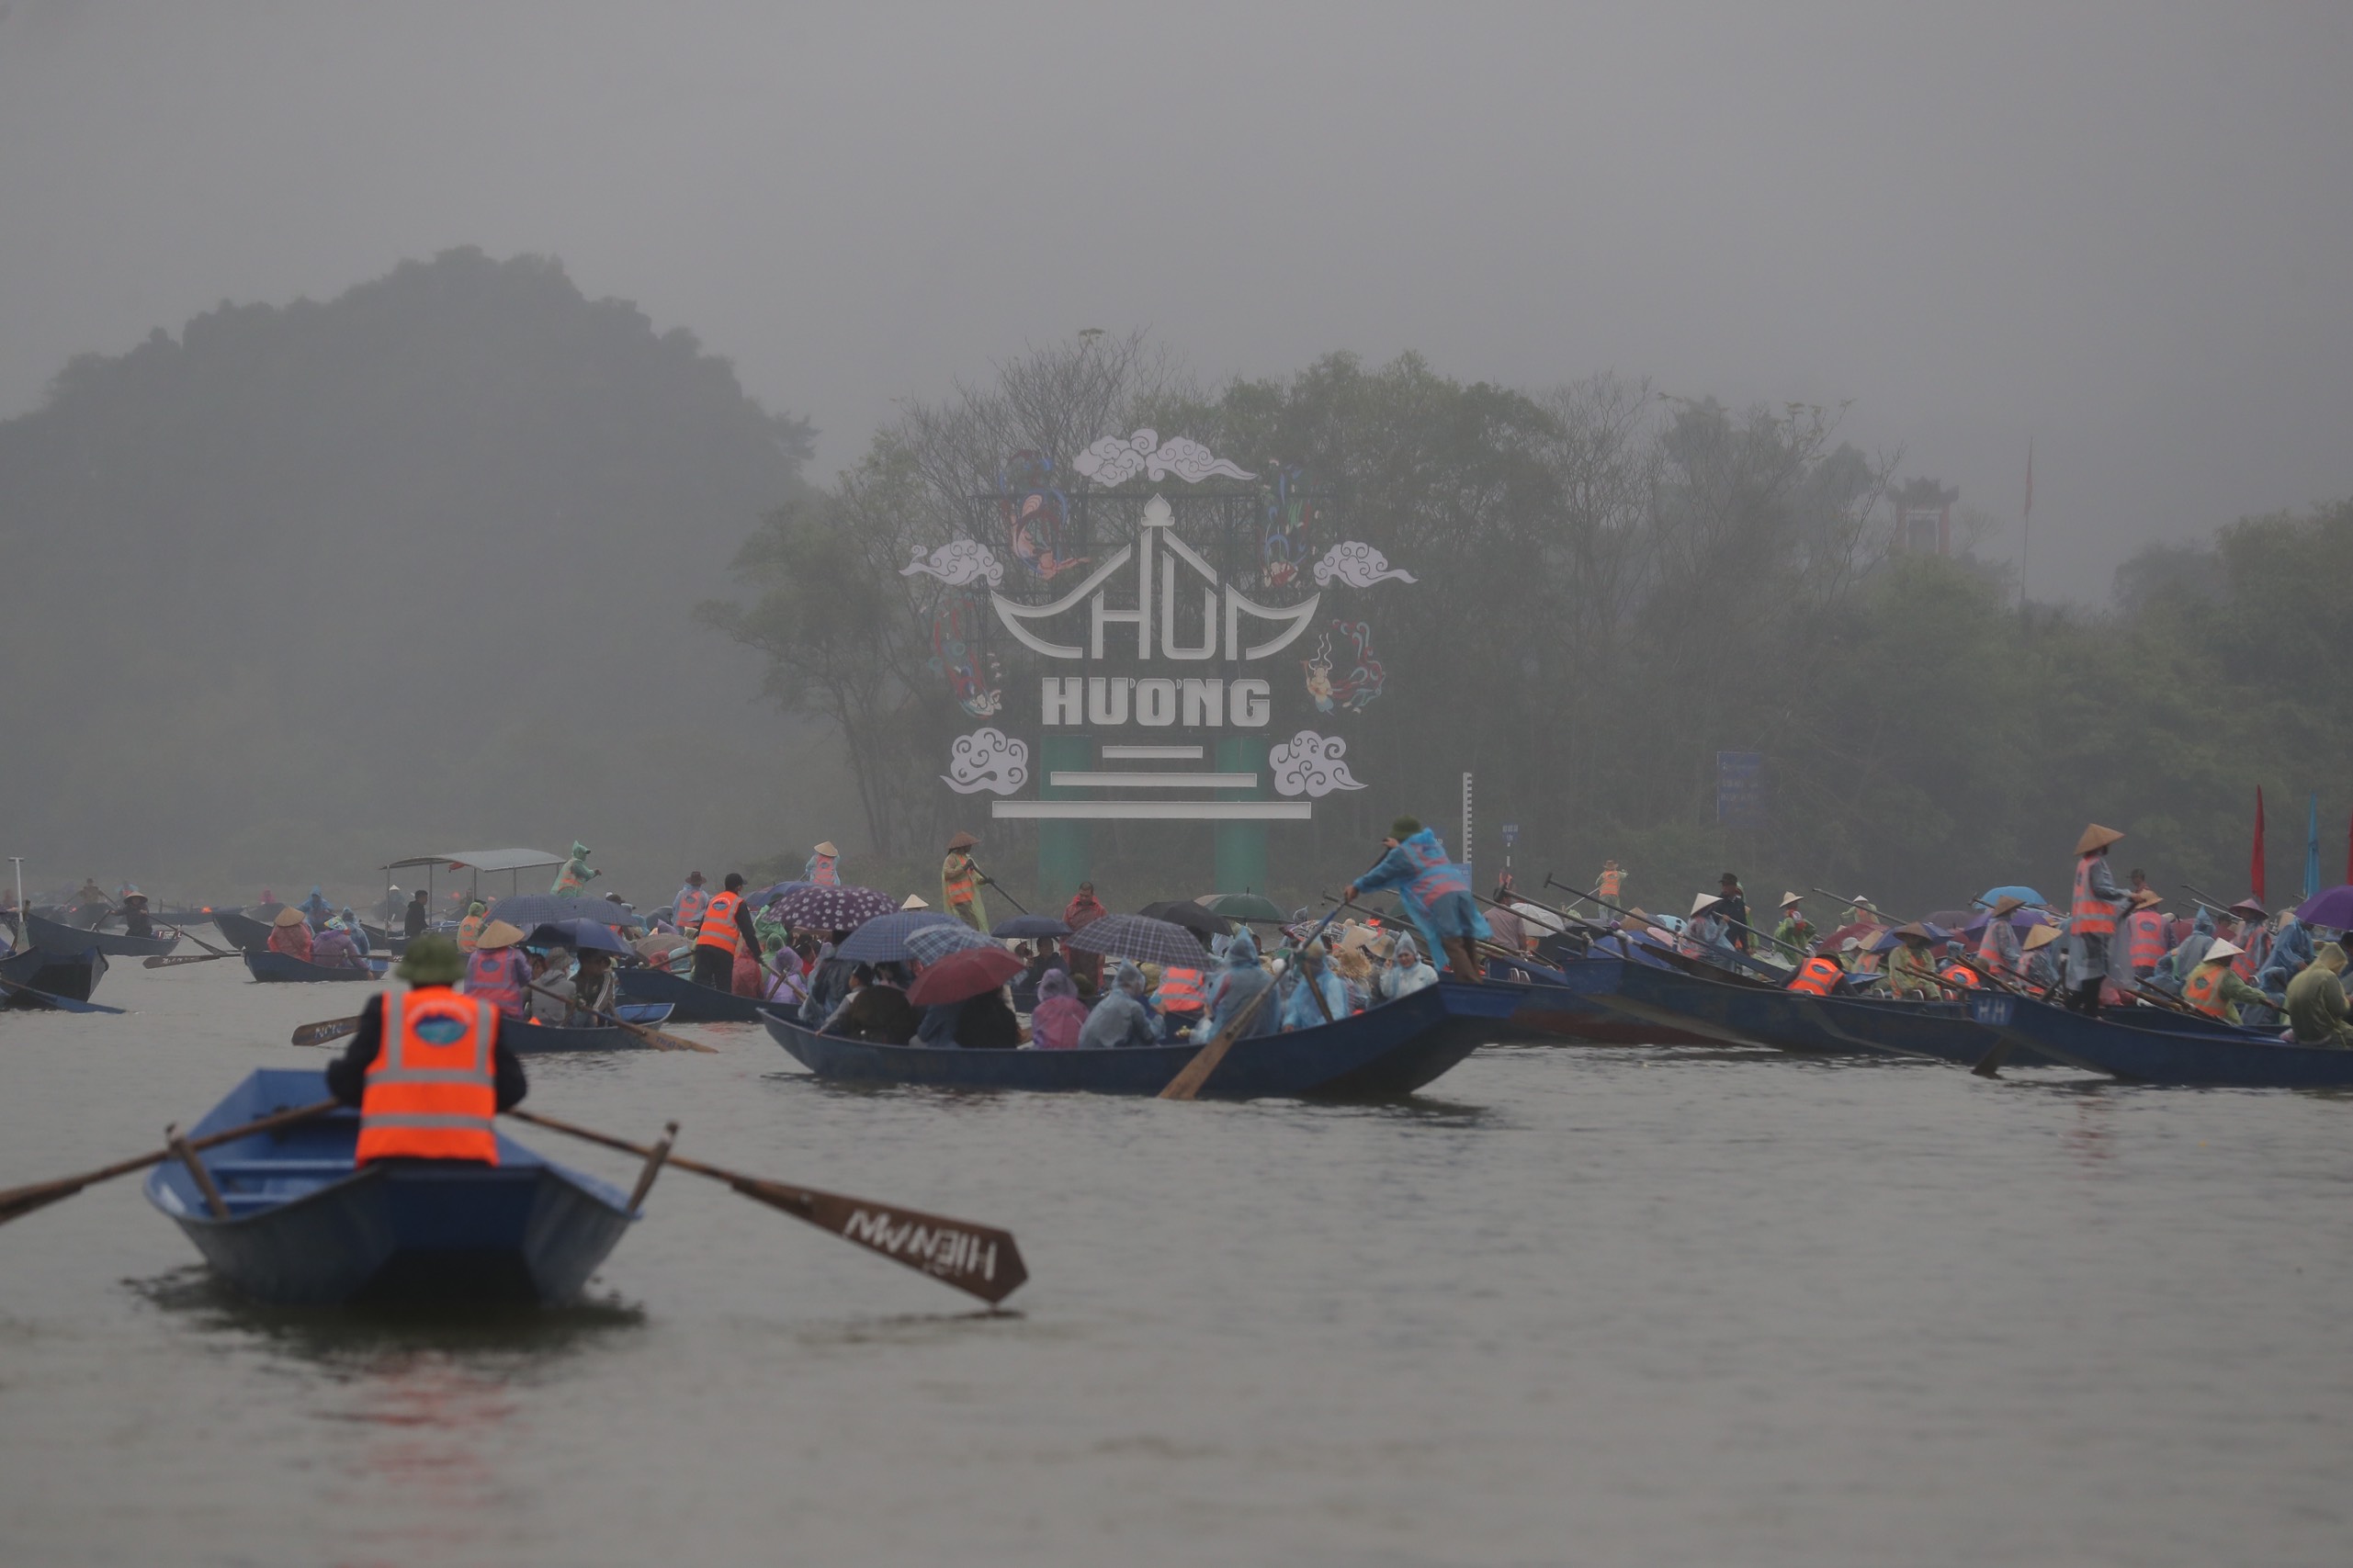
[(1064, 848), (1241, 846)]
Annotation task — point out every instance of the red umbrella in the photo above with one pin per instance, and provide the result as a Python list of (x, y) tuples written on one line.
[(966, 973)]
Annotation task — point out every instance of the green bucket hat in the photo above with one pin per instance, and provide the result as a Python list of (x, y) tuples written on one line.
[(1405, 827), (432, 959)]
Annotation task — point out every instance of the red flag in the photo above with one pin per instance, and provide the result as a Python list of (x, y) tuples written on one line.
[(2255, 871)]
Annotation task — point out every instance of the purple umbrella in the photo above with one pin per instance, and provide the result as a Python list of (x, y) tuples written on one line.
[(2331, 907), (832, 908)]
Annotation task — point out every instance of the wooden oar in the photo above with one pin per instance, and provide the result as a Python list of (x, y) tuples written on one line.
[(997, 885), (18, 1201), (978, 1259), (48, 1000), (174, 960), (331, 1029), (653, 1037)]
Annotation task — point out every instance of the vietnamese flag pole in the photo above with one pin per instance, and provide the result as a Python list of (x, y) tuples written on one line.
[(2255, 869)]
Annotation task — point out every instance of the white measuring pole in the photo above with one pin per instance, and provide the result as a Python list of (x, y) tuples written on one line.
[(1466, 828)]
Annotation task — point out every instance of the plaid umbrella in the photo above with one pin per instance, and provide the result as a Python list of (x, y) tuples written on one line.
[(832, 908), (1140, 938), (963, 976), (883, 939), (930, 943)]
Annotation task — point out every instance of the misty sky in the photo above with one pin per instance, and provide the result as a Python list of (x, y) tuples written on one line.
[(2127, 230)]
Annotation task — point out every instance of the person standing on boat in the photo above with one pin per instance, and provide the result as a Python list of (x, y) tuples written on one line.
[(416, 918), (960, 884), (687, 909), (823, 868), (2144, 931), (289, 933), (725, 931), (136, 921), (576, 874), (2091, 924), (1436, 892), (470, 929), (498, 973), (1610, 887), (317, 911), (429, 1068), (1795, 932), (1732, 909)]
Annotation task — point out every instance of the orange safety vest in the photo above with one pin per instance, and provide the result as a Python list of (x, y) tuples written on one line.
[(690, 905), (1816, 977), (432, 1093), (1960, 975), (1610, 882), (2243, 965), (718, 922), (498, 975), (2093, 915), (469, 929), (2204, 982), (1989, 947), (959, 879), (822, 872), (2144, 940), (1180, 990)]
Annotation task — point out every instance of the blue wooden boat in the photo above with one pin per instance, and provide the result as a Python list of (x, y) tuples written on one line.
[(306, 1228), (2144, 1051), (72, 976), (545, 1039), (243, 931), (690, 1003), (1391, 1049), (285, 966), (1557, 1008), (44, 932)]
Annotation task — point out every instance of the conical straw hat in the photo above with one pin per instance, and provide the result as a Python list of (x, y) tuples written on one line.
[(2096, 837), (498, 933), (2222, 950), (1704, 901)]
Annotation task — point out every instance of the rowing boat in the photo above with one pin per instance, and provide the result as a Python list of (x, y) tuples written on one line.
[(691, 1003), (526, 1038), (43, 932), (278, 966), (243, 931), (2151, 1052), (305, 1226), (72, 976), (1556, 1008), (1390, 1050)]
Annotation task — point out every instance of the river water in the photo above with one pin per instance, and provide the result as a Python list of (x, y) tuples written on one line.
[(1570, 1305)]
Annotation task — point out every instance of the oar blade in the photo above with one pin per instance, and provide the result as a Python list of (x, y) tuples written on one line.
[(979, 1260), (320, 1033), (174, 960), (15, 1203)]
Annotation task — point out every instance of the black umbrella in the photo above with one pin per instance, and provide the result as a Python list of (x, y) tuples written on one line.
[(1188, 914), (524, 910)]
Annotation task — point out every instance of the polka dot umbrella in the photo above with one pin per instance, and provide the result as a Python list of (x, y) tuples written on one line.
[(816, 909)]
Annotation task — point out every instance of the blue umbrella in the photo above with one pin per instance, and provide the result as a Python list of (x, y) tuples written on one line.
[(776, 890), (582, 936), (527, 909), (2024, 895), (883, 939), (932, 943), (1029, 926)]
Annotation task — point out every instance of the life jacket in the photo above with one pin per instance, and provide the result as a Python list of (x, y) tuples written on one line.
[(432, 1093), (2144, 940), (691, 905), (1434, 875), (2093, 915), (959, 879), (1180, 990), (822, 872), (2205, 982), (1816, 977), (1610, 882), (498, 975), (1989, 947), (718, 922), (469, 929), (1960, 975), (2244, 964)]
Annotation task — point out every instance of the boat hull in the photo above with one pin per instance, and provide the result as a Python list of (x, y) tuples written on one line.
[(43, 932), (242, 930), (280, 967), (305, 1228), (548, 1039), (1392, 1050), (2143, 1052), (689, 1002), (72, 976)]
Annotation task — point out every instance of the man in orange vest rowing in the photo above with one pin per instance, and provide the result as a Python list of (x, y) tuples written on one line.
[(726, 930), (823, 867), (1611, 886), (429, 1069), (2214, 990), (960, 884), (2091, 924)]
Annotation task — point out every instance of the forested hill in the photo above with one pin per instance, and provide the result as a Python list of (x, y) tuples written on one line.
[(310, 585)]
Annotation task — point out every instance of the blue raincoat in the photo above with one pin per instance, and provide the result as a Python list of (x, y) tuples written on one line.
[(1436, 891)]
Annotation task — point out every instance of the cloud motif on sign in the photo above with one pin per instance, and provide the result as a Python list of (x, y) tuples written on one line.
[(1111, 461), (987, 759), (1359, 565), (957, 563), (1310, 764)]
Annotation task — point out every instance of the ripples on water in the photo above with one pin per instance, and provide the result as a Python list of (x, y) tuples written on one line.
[(1573, 1305)]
